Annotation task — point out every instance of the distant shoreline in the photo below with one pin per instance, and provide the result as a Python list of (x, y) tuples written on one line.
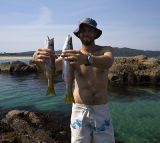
[(15, 57), (30, 57)]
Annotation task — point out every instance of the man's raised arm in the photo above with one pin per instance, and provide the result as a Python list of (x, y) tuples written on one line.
[(42, 56)]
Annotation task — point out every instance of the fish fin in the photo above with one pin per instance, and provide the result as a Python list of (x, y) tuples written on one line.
[(50, 85), (50, 90), (44, 71), (69, 97)]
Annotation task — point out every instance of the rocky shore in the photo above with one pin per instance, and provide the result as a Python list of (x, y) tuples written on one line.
[(21, 126), (18, 67), (135, 70), (126, 70)]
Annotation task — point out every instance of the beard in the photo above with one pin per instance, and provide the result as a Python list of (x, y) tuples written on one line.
[(87, 41)]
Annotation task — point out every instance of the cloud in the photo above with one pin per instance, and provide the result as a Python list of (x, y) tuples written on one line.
[(45, 16), (27, 31), (37, 15), (28, 36), (32, 37)]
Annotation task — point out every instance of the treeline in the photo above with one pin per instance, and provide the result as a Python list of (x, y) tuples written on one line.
[(119, 52), (127, 52), (29, 53)]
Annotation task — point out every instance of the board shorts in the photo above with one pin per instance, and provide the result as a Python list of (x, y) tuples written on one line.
[(91, 124)]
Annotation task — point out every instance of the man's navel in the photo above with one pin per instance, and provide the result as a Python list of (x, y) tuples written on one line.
[(80, 74)]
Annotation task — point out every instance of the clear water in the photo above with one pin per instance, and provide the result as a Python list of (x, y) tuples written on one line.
[(7, 59), (135, 110)]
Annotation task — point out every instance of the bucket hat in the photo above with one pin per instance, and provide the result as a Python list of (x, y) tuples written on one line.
[(90, 22)]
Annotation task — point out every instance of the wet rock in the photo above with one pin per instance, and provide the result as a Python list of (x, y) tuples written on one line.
[(5, 67), (18, 67), (130, 70), (31, 127), (135, 70), (21, 126)]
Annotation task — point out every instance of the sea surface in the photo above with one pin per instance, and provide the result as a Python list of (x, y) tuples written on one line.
[(11, 59), (135, 109)]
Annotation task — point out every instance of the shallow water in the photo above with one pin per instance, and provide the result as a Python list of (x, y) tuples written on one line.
[(135, 112), (11, 59), (135, 109)]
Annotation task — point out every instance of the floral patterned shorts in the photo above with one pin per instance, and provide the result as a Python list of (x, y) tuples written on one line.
[(91, 124)]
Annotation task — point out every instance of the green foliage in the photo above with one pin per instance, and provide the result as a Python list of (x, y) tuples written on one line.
[(119, 52), (127, 52)]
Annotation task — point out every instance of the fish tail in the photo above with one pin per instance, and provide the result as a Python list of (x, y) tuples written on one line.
[(69, 97), (44, 72), (50, 90), (50, 84)]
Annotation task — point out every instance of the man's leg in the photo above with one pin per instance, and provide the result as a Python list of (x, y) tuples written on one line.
[(102, 125), (106, 136), (79, 132)]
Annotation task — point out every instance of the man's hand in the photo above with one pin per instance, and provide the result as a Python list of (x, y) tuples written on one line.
[(43, 55), (74, 56)]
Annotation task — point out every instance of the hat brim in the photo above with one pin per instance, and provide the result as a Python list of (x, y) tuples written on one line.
[(98, 34)]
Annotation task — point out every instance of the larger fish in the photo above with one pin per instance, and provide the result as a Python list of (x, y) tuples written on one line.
[(67, 71), (50, 69)]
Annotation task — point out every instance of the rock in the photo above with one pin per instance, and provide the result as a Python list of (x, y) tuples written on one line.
[(17, 113), (130, 70), (135, 70), (18, 67), (5, 67), (31, 127), (20, 126)]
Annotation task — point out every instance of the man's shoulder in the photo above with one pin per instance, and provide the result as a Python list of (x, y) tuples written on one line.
[(105, 48)]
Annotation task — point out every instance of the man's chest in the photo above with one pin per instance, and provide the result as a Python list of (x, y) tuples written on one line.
[(83, 71)]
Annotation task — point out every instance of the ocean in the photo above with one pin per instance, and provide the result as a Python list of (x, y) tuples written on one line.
[(135, 109)]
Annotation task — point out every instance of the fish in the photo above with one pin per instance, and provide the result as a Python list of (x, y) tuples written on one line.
[(68, 72), (50, 69)]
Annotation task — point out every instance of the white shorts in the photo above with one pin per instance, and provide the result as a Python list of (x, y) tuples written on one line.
[(91, 124)]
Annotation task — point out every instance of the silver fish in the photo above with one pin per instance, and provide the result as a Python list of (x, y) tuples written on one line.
[(67, 71), (50, 69)]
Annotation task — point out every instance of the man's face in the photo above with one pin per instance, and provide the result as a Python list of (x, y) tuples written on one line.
[(87, 34)]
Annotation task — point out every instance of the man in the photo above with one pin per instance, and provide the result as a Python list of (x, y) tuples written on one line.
[(90, 120)]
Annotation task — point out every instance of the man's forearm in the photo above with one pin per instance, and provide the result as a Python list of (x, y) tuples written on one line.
[(102, 62)]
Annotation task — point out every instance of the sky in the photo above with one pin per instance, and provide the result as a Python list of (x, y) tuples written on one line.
[(25, 24)]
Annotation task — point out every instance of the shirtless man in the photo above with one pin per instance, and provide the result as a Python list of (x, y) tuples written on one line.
[(90, 120)]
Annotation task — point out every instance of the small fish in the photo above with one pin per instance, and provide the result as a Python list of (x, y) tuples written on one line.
[(67, 71), (50, 69)]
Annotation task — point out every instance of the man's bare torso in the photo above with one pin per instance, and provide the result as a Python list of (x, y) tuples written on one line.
[(91, 83)]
